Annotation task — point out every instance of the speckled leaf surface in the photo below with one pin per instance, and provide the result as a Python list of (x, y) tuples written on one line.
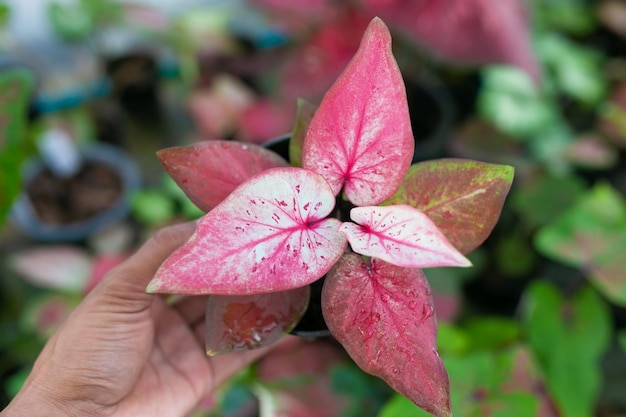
[(209, 171), (244, 322), (360, 138), (401, 235), (271, 234), (472, 31), (383, 315), (463, 198)]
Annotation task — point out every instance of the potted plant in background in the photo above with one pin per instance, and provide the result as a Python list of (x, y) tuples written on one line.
[(355, 212)]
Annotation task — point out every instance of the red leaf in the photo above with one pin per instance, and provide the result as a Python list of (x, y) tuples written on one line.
[(473, 31), (243, 322), (209, 171), (360, 138), (269, 235), (400, 235), (383, 316), (463, 198)]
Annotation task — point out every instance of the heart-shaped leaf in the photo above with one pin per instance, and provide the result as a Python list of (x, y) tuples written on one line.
[(209, 171), (243, 322), (383, 315), (400, 235), (360, 138), (463, 198), (269, 235), (473, 31)]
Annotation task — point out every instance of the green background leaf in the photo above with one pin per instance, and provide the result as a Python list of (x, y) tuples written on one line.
[(568, 337)]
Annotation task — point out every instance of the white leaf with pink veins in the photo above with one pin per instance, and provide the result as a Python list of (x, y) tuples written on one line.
[(400, 235)]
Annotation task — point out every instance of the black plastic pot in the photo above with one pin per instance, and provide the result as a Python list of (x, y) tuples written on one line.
[(433, 115)]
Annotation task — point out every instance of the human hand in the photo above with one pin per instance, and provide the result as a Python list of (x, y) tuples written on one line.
[(124, 352)]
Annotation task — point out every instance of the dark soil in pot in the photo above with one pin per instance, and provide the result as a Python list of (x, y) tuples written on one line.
[(59, 201)]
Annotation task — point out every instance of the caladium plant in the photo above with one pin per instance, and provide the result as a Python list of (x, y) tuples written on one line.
[(355, 213)]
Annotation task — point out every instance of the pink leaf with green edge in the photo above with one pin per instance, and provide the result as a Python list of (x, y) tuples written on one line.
[(400, 235), (471, 31), (209, 171), (306, 111), (360, 138), (269, 235), (463, 198), (383, 316), (244, 322)]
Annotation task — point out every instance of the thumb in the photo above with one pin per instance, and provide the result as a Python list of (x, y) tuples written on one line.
[(129, 280)]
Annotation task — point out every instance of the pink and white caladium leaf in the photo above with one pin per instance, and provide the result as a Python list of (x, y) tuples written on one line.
[(383, 316), (470, 31), (360, 138), (244, 322), (400, 235), (270, 234), (463, 198), (209, 171)]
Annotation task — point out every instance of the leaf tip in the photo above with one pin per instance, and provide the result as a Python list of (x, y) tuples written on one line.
[(154, 286), (378, 28)]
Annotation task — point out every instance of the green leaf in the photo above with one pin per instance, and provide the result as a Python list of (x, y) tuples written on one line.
[(569, 338), (16, 381), (492, 332), (16, 87), (152, 207), (553, 194), (489, 384), (306, 111), (452, 339), (515, 256), (400, 406), (463, 198), (577, 69), (592, 235), (70, 21), (572, 16), (510, 101), (5, 14)]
